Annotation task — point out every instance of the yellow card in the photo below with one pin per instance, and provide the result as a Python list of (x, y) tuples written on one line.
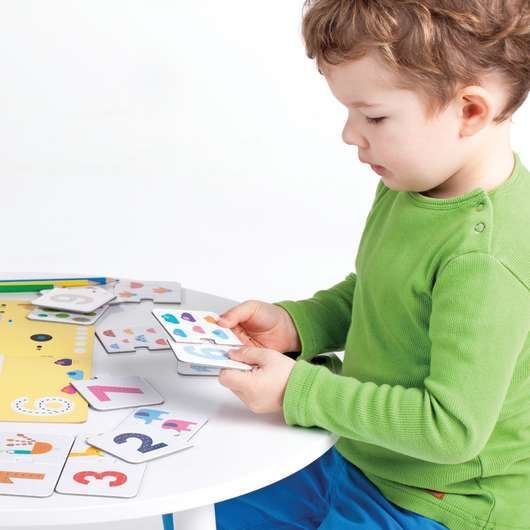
[(38, 361)]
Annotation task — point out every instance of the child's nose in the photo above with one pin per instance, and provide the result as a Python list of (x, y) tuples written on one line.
[(352, 136)]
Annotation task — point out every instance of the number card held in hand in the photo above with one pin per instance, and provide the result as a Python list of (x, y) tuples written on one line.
[(198, 339)]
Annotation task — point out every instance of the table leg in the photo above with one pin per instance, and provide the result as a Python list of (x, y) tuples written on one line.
[(167, 521), (202, 518)]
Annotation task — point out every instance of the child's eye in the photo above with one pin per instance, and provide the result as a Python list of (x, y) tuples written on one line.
[(375, 120)]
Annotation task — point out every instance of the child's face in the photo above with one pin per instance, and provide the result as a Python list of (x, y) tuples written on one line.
[(410, 151)]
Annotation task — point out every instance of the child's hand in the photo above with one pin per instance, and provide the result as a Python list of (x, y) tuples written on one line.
[(262, 388), (261, 324)]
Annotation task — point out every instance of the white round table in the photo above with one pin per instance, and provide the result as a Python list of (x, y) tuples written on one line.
[(236, 452)]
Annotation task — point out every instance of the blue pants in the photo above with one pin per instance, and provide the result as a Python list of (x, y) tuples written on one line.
[(329, 494)]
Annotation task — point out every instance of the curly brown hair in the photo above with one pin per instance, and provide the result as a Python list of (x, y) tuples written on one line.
[(433, 45)]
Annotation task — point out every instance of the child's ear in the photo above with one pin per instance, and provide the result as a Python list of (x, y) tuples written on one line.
[(476, 109)]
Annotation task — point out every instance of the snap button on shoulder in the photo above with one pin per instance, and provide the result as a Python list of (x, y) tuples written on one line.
[(479, 227)]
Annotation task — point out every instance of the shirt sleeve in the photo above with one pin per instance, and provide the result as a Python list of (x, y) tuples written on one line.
[(323, 320), (478, 326)]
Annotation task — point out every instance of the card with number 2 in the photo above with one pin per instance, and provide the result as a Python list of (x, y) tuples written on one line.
[(138, 442)]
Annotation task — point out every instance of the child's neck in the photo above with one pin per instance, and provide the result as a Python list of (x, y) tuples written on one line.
[(488, 168)]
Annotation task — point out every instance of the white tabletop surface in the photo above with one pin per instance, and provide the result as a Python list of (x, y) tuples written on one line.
[(235, 452)]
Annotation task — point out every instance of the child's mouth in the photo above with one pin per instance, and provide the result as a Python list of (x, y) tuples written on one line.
[(380, 170)]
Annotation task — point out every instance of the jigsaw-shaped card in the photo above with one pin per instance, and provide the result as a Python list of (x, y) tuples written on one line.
[(165, 420), (38, 360), (77, 299), (207, 355), (197, 339), (68, 317), (147, 434), (195, 369), (195, 327), (30, 464), (136, 291), (90, 471), (125, 339), (109, 392)]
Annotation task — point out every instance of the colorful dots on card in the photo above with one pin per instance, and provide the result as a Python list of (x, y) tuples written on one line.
[(210, 319), (198, 329), (219, 333), (109, 333), (172, 319), (161, 290), (188, 317), (76, 374), (41, 337), (64, 362), (179, 332)]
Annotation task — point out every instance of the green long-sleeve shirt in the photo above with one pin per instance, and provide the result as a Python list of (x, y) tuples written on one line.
[(432, 401)]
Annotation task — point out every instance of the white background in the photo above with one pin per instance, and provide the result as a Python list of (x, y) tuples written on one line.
[(188, 141)]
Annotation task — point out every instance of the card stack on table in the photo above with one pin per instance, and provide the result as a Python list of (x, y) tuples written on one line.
[(75, 305)]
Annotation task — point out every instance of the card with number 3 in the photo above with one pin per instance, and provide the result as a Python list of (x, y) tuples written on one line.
[(90, 471)]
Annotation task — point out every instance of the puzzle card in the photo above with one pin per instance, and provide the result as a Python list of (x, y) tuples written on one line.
[(109, 392), (68, 317), (91, 471), (184, 368), (206, 355), (138, 443), (136, 291), (38, 361), (195, 327), (165, 420), (128, 338), (77, 299), (30, 464)]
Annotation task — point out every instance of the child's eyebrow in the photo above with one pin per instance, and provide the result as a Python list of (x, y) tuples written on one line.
[(363, 104)]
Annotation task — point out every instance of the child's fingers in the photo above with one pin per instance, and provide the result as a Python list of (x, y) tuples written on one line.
[(233, 379), (246, 339), (250, 355), (237, 314)]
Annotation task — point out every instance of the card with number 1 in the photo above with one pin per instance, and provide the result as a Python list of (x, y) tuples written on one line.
[(30, 464)]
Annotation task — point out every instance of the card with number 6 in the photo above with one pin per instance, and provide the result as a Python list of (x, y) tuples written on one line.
[(77, 299)]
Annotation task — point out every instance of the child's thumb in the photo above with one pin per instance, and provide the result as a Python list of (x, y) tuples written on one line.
[(248, 354)]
